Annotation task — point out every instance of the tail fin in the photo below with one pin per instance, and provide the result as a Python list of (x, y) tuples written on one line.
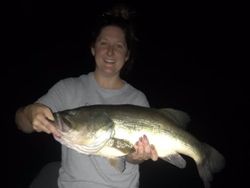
[(212, 163)]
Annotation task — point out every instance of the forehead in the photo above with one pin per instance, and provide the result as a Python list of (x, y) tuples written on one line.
[(112, 33)]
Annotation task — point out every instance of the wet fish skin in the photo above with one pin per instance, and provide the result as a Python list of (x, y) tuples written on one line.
[(112, 130)]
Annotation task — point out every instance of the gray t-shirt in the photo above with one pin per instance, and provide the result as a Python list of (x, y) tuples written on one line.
[(90, 171)]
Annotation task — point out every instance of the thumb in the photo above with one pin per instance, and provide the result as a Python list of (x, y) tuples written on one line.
[(51, 119), (49, 114)]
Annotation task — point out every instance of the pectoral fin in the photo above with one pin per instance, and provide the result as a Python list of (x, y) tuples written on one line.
[(176, 160), (118, 163), (122, 145)]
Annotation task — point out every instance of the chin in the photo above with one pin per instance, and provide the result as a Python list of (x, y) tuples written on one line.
[(109, 70), (110, 73)]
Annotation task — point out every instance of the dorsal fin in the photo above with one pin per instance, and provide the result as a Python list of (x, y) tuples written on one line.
[(181, 118)]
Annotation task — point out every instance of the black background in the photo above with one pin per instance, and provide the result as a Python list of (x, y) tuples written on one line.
[(190, 57)]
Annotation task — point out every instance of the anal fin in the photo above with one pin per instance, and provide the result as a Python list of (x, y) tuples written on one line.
[(118, 163), (175, 159)]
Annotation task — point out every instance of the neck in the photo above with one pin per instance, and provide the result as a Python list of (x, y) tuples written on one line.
[(109, 82)]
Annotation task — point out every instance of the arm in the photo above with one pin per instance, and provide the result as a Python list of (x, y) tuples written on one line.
[(144, 151), (35, 117)]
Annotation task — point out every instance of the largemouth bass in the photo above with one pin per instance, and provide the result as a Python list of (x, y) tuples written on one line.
[(112, 130)]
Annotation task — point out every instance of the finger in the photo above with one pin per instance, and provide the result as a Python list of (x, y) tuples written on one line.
[(146, 145), (136, 145), (36, 128), (57, 133), (51, 129), (37, 125), (154, 155), (46, 130), (140, 149), (50, 124), (145, 140), (41, 124), (41, 128), (136, 148)]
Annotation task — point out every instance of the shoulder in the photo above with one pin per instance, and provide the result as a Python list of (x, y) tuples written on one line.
[(64, 94), (67, 87), (138, 96), (71, 82), (134, 90)]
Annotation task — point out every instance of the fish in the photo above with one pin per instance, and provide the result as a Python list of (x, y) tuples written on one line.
[(111, 131)]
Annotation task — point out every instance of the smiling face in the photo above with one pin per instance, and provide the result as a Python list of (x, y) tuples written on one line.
[(110, 51)]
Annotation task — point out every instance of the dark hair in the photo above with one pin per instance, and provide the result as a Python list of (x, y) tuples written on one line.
[(119, 16)]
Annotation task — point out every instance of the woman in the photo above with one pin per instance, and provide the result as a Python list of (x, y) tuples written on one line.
[(112, 49)]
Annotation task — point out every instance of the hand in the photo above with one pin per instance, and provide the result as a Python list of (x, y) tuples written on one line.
[(144, 151), (41, 117)]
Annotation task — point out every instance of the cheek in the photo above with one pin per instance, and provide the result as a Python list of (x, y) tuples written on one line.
[(96, 50), (99, 52)]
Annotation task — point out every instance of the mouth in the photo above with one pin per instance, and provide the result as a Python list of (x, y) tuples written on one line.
[(109, 61)]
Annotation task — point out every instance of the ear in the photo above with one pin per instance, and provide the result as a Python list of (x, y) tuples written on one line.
[(92, 50), (127, 56)]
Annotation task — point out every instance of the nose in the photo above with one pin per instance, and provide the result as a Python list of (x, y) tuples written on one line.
[(110, 50)]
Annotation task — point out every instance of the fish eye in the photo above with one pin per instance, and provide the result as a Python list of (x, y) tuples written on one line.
[(72, 113)]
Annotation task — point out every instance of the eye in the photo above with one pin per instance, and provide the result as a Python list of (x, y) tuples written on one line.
[(72, 112), (120, 46), (103, 43)]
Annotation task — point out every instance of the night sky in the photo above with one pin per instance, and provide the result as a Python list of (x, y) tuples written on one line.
[(187, 58)]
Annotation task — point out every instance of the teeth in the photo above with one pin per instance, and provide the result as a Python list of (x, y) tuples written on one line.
[(109, 61)]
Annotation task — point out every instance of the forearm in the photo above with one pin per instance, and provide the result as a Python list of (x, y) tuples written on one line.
[(22, 121)]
